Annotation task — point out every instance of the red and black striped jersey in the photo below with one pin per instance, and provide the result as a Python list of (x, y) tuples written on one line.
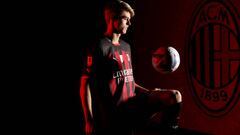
[(109, 70)]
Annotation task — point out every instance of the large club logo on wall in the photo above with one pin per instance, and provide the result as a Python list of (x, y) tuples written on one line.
[(213, 57)]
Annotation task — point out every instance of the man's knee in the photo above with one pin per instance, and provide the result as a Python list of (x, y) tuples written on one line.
[(177, 95), (166, 97)]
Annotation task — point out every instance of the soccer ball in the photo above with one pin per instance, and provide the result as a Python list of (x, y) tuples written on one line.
[(165, 59)]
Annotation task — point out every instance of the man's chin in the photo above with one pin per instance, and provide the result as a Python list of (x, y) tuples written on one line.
[(124, 32)]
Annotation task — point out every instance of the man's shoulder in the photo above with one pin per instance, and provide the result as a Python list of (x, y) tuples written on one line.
[(104, 42), (99, 44), (124, 44), (99, 40)]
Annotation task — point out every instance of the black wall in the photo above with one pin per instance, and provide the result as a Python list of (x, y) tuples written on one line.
[(49, 41)]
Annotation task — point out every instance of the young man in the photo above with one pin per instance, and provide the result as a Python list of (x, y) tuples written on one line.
[(112, 102)]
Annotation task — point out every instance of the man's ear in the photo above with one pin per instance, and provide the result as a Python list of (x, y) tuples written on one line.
[(107, 19)]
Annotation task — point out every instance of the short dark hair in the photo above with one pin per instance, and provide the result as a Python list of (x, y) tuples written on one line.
[(114, 8)]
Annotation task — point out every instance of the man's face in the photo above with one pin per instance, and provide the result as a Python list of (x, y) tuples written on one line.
[(122, 23)]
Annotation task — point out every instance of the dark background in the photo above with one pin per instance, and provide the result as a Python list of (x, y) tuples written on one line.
[(73, 26), (44, 60), (45, 52), (51, 39)]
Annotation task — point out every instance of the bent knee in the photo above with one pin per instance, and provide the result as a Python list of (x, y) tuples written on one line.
[(177, 96)]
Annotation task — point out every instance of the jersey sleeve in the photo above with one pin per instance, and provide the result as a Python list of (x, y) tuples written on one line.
[(90, 59), (87, 63)]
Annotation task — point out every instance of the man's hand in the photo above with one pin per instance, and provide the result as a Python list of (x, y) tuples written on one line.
[(159, 89)]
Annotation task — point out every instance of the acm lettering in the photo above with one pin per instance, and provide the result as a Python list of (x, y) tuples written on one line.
[(213, 13)]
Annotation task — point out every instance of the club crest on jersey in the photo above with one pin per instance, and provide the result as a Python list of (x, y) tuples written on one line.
[(89, 61), (213, 57)]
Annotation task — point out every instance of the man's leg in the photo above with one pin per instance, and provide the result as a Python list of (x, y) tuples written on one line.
[(133, 113), (165, 106), (157, 108)]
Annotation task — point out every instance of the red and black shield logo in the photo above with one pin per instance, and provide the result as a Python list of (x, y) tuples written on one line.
[(213, 56)]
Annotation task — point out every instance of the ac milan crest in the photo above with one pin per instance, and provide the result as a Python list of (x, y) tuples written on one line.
[(213, 57)]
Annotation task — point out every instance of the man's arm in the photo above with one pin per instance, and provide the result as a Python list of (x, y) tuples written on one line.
[(86, 105), (140, 89)]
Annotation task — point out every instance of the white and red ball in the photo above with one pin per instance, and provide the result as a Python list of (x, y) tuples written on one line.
[(165, 59)]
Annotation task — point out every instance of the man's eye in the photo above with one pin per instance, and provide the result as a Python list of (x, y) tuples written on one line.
[(124, 18)]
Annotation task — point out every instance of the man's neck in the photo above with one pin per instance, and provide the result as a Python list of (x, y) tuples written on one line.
[(114, 37)]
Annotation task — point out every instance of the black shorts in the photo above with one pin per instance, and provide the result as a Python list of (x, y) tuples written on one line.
[(136, 112)]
